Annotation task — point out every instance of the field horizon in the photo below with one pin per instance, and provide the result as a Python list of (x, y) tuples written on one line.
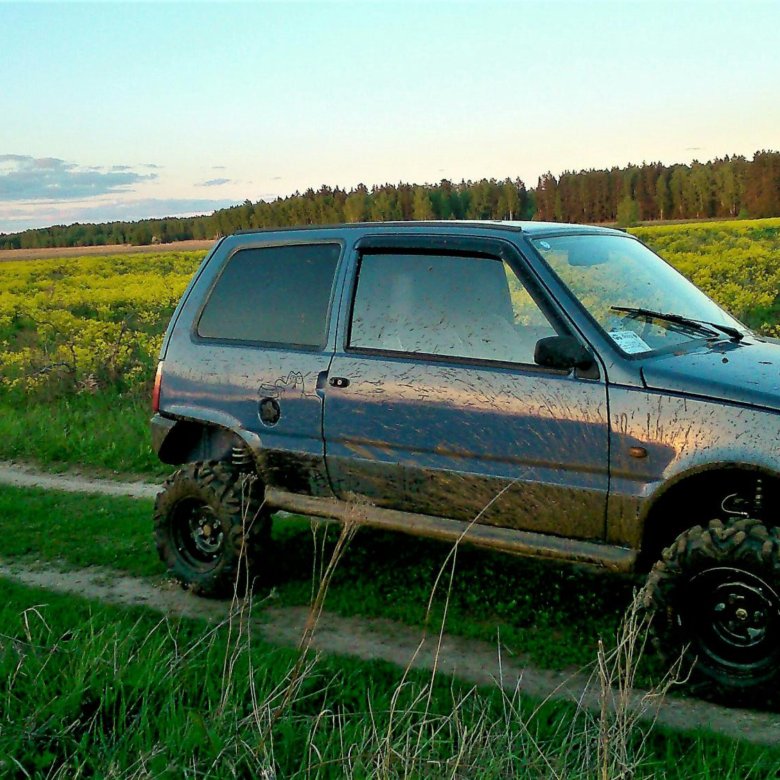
[(193, 245)]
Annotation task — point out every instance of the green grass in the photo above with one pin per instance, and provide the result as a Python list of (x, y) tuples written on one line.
[(78, 530), (104, 431), (551, 614), (90, 690)]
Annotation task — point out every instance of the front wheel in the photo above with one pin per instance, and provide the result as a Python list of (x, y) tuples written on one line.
[(716, 594), (210, 528)]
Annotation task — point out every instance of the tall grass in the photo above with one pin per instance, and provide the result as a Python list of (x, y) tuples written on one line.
[(91, 691), (87, 690)]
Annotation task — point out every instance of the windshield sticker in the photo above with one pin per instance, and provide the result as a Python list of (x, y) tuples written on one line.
[(629, 341), (544, 245)]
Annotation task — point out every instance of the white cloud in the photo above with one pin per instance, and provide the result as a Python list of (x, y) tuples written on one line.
[(25, 178), (213, 183)]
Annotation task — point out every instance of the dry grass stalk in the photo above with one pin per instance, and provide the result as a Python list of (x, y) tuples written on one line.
[(604, 746), (304, 664), (613, 745)]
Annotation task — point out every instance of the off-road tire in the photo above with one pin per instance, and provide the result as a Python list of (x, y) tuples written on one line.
[(715, 595), (210, 528)]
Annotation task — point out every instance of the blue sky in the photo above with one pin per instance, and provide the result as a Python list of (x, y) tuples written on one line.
[(122, 111)]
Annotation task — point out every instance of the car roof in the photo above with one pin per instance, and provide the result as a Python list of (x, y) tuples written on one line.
[(533, 229)]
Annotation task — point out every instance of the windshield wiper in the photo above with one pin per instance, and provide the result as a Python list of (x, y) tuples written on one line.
[(701, 325)]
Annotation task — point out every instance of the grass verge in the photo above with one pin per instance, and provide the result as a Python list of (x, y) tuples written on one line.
[(104, 431), (78, 530), (550, 614)]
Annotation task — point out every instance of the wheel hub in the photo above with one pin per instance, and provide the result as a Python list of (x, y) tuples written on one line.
[(199, 534), (206, 537), (735, 615), (741, 612)]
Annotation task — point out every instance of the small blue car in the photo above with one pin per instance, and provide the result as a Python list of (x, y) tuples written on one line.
[(543, 389)]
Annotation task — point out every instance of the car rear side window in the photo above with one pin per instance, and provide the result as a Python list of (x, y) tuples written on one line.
[(451, 306), (273, 295)]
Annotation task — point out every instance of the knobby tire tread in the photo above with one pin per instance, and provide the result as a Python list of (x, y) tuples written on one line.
[(232, 498), (744, 543)]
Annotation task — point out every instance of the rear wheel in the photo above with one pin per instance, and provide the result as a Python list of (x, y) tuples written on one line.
[(210, 528), (716, 594)]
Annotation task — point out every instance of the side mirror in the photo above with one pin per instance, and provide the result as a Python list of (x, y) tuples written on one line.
[(563, 352)]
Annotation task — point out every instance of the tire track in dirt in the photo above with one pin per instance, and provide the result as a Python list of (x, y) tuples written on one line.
[(19, 475), (470, 660)]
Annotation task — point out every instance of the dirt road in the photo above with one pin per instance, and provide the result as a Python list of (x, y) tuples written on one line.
[(113, 249), (20, 475)]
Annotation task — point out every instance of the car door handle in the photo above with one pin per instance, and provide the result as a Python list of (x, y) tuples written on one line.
[(338, 381)]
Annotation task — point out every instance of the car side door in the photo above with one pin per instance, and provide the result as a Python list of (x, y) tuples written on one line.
[(434, 403)]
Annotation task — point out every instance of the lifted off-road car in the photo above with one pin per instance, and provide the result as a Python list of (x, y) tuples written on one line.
[(544, 389)]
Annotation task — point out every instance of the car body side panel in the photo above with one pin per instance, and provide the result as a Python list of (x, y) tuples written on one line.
[(211, 381), (235, 380), (682, 436)]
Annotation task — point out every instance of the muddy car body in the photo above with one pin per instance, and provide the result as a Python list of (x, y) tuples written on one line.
[(545, 389)]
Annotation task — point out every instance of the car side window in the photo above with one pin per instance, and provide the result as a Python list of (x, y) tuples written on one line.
[(273, 295), (452, 306)]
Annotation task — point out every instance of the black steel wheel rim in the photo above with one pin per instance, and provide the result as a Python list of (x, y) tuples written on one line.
[(733, 618), (197, 533)]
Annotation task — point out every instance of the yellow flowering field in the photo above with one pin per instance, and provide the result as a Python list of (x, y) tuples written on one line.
[(737, 263), (88, 323)]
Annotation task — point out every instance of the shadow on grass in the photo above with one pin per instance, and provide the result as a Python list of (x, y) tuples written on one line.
[(551, 612)]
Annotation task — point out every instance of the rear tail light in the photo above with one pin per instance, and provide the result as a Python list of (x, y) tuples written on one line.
[(157, 387)]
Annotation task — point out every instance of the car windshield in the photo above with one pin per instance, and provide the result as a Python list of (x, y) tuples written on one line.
[(641, 302)]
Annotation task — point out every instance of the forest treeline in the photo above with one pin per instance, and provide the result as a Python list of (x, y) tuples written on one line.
[(724, 187)]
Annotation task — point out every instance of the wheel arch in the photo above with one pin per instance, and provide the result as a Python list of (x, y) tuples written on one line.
[(695, 497), (188, 441)]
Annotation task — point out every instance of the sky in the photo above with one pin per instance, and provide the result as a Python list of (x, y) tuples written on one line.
[(125, 111)]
